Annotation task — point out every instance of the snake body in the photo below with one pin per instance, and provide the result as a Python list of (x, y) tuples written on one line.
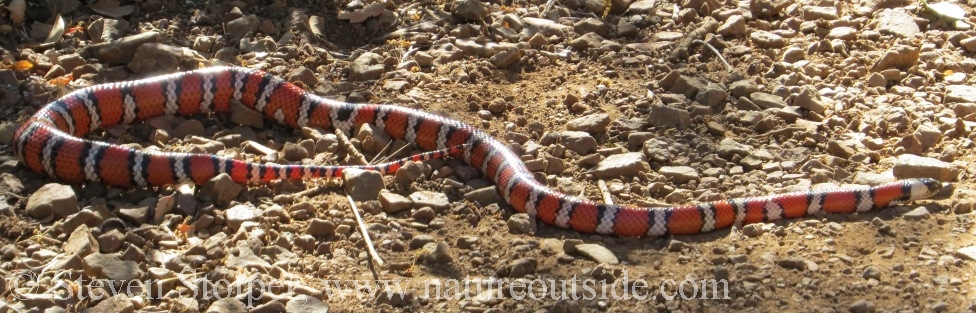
[(51, 141)]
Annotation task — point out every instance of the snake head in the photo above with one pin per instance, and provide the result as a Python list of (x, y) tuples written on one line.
[(922, 188)]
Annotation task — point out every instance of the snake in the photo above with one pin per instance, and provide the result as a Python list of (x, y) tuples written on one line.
[(52, 141)]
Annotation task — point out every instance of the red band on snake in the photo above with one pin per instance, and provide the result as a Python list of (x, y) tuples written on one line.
[(51, 141)]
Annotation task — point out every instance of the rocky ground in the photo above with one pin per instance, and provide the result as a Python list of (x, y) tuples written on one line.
[(667, 102)]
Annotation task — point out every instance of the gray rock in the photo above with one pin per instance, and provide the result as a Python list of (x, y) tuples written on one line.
[(304, 304), (580, 142), (591, 25), (275, 306), (393, 203), (765, 39), (734, 26), (293, 152), (843, 33), (245, 259), (420, 241), (121, 51), (111, 241), (53, 199), (809, 99), (711, 96), (917, 214), (362, 185), (753, 230), (221, 189), (811, 13), (641, 7), (668, 117), (304, 75), (871, 272), (960, 94), (81, 243), (227, 305), (7, 130), (679, 174), (862, 306), (472, 10), (506, 57), (595, 124), (743, 88), (687, 86), (767, 101), (467, 242), (484, 196), (896, 22), (793, 263), (156, 58), (435, 253), (728, 147), (520, 223), (522, 266), (408, 173), (109, 266), (621, 165), (586, 41), (913, 166), (967, 253), (368, 66), (243, 115), (436, 200), (597, 253), (237, 215)]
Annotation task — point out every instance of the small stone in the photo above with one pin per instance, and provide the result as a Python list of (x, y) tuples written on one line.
[(862, 306), (121, 51), (809, 99), (436, 200), (81, 243), (812, 13), (156, 58), (967, 253), (842, 33), (506, 58), (302, 304), (293, 152), (424, 214), (913, 166), (753, 230), (793, 263), (393, 203), (586, 41), (419, 241), (679, 174), (896, 22), (111, 241), (960, 93), (591, 25), (362, 185), (621, 165), (116, 304), (484, 196), (435, 253), (871, 272), (580, 142), (917, 214), (765, 39), (228, 305), (734, 26), (368, 66), (7, 130), (595, 124), (408, 173), (275, 306), (520, 223), (245, 116), (52, 199), (238, 214), (111, 267), (304, 75), (521, 267), (320, 227), (472, 10), (188, 128), (767, 101), (597, 253), (668, 117), (899, 56), (221, 189), (468, 242)]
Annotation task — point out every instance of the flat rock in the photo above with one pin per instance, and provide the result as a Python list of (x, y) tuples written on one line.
[(116, 304), (306, 304), (917, 214), (156, 58), (484, 196), (967, 253), (52, 199), (679, 174), (734, 26), (621, 165), (580, 142), (595, 124), (586, 41), (121, 51), (368, 66), (320, 227), (520, 223), (842, 33), (899, 56), (913, 166), (227, 305), (896, 22), (435, 200), (81, 243), (597, 253), (472, 10), (221, 189), (239, 214), (668, 117), (109, 266), (245, 259), (362, 185), (960, 94), (765, 39), (767, 101), (393, 203), (811, 13), (7, 130)]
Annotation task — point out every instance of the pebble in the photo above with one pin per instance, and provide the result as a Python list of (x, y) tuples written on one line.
[(621, 165), (896, 22), (597, 253), (917, 214), (586, 41), (591, 25), (303, 304), (967, 253), (467, 242), (580, 142), (367, 66), (320, 227), (765, 39), (520, 223), (121, 51), (913, 166), (245, 116), (393, 203), (767, 101), (408, 173), (436, 200), (862, 306), (227, 305), (960, 93), (52, 200), (809, 99), (190, 127), (116, 304), (7, 130), (811, 13), (522, 266), (109, 266), (595, 124), (80, 243), (362, 185), (679, 174), (484, 196), (753, 230), (794, 263), (275, 306), (241, 26), (155, 58), (668, 117), (238, 214), (435, 253), (734, 26), (472, 10), (221, 189), (899, 56)]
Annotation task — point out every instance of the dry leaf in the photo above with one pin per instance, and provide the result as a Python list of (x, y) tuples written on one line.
[(56, 32), (316, 25), (111, 8), (358, 16), (23, 65), (17, 8)]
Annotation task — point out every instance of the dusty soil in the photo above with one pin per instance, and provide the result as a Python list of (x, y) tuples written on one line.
[(899, 259)]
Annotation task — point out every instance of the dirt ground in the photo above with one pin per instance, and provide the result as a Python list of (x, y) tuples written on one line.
[(500, 67)]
